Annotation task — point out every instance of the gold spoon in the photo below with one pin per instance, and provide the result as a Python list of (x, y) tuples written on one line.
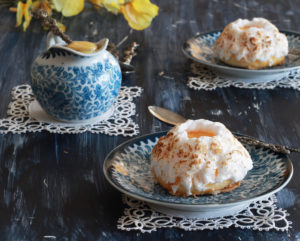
[(83, 46), (175, 119)]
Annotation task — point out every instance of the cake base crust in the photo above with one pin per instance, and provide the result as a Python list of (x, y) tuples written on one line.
[(212, 188), (253, 65)]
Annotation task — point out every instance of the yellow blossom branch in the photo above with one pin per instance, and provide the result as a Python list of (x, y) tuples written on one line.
[(138, 13)]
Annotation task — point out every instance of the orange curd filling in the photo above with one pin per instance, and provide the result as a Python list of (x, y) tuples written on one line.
[(198, 133), (250, 26)]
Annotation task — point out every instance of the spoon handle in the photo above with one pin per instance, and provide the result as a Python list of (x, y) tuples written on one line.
[(165, 115)]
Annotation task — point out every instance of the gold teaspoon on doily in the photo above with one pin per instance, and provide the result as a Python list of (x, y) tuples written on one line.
[(175, 119)]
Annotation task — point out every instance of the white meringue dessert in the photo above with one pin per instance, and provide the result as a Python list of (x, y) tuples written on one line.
[(199, 157), (252, 44)]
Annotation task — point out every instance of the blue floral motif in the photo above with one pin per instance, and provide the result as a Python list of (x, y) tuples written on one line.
[(53, 52), (87, 93), (58, 100), (76, 92), (98, 91), (270, 172)]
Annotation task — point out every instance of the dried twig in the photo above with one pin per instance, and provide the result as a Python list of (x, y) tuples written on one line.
[(130, 52), (111, 47), (255, 142), (50, 23)]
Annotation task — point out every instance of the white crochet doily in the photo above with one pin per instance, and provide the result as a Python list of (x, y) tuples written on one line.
[(261, 215), (119, 123), (206, 79)]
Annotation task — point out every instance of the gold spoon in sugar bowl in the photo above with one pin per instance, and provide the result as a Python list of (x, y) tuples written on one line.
[(83, 47), (90, 48), (173, 118)]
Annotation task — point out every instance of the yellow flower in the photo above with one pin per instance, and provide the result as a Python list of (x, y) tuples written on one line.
[(97, 3), (113, 5), (110, 5), (61, 26), (42, 5), (69, 8), (23, 11), (139, 13)]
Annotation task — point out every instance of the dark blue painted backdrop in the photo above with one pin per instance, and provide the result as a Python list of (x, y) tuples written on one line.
[(52, 186)]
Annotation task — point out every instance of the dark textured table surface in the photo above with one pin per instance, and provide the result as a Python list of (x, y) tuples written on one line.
[(78, 203)]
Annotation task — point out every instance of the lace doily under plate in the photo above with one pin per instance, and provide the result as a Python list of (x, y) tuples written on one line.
[(206, 79), (119, 123), (261, 215)]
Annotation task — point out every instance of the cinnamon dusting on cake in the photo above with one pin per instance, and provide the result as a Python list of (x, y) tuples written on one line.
[(119, 167)]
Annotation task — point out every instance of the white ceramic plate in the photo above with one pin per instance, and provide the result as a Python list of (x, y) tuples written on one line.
[(200, 49), (127, 168)]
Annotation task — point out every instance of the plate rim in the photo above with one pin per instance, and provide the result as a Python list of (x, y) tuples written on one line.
[(243, 70), (290, 168)]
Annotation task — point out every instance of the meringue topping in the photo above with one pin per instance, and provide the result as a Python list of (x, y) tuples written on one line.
[(256, 40), (197, 154)]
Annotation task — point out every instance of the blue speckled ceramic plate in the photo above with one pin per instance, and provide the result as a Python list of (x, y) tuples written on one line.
[(127, 168), (200, 49)]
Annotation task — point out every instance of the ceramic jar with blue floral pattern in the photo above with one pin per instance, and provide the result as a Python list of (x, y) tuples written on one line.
[(75, 87)]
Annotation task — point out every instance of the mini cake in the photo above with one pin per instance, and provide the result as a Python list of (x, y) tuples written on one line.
[(199, 157), (252, 44)]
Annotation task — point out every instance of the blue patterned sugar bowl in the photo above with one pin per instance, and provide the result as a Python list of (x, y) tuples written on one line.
[(72, 86)]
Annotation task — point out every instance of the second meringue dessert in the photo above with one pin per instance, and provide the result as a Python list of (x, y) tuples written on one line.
[(252, 44), (199, 157)]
